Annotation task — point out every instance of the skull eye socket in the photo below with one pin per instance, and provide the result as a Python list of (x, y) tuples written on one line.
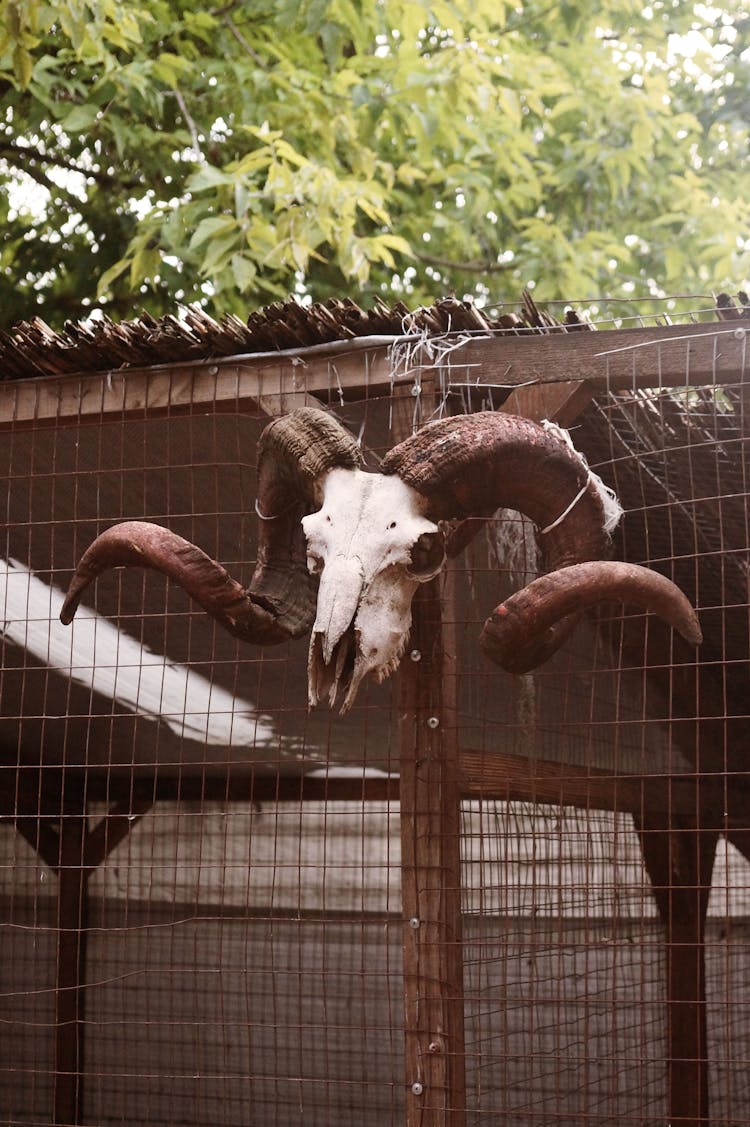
[(427, 556), (314, 563)]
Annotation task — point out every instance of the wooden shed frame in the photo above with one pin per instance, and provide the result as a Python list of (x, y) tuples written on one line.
[(549, 376)]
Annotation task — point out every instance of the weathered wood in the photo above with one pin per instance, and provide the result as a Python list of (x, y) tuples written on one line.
[(669, 356), (115, 826), (615, 358), (72, 911), (493, 774), (488, 774), (148, 393), (430, 873), (282, 402), (561, 403), (430, 808), (41, 837), (236, 385), (241, 786), (679, 862)]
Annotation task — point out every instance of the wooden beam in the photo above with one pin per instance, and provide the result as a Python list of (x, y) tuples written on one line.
[(614, 358), (561, 403), (42, 838), (239, 785), (431, 878), (497, 775), (669, 356), (72, 924), (230, 385), (482, 774), (114, 826)]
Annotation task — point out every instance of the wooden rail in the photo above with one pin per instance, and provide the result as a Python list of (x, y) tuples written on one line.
[(673, 355)]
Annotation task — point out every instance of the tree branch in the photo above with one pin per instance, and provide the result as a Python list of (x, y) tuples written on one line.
[(30, 166), (190, 121), (26, 155), (521, 25), (248, 47)]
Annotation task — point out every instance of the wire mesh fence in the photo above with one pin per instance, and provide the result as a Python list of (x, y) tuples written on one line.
[(207, 890)]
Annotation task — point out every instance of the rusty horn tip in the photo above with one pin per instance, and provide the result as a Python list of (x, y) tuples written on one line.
[(70, 604), (118, 546)]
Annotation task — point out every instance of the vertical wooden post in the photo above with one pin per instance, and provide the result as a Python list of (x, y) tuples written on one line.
[(73, 853), (431, 876), (679, 860), (72, 912)]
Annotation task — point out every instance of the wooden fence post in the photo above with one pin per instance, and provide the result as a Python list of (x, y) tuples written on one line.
[(72, 923), (430, 865), (679, 858)]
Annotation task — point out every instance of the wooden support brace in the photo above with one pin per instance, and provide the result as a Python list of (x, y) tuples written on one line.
[(561, 403), (113, 828)]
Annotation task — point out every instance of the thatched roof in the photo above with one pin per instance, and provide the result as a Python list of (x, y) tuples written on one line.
[(32, 348)]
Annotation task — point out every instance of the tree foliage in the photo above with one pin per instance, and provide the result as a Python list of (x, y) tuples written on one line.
[(155, 151)]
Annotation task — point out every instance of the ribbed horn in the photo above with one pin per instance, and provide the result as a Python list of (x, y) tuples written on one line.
[(512, 632), (138, 543), (470, 466), (293, 451)]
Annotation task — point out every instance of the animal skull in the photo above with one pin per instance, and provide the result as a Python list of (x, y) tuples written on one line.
[(342, 551), (371, 545)]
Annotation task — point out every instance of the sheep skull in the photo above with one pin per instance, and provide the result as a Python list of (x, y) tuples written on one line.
[(373, 538), (371, 546)]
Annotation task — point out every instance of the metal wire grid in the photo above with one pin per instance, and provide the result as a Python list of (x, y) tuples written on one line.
[(201, 1008), (243, 959)]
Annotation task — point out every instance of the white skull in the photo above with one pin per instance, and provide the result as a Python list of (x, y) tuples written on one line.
[(372, 546)]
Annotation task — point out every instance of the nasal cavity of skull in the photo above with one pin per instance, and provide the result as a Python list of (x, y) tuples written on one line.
[(427, 556)]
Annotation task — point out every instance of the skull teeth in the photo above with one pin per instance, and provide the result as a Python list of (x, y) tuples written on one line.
[(345, 660), (337, 680), (330, 678)]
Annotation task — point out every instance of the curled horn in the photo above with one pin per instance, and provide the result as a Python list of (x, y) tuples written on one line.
[(506, 636), (279, 603), (470, 466)]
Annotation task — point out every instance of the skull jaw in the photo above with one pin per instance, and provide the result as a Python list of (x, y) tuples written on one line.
[(333, 678), (372, 642), (339, 679)]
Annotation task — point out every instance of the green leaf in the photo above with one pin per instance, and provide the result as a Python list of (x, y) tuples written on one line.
[(397, 243), (23, 65), (110, 276), (144, 264), (209, 228), (169, 68), (80, 119), (219, 253), (244, 272), (372, 210), (208, 177)]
